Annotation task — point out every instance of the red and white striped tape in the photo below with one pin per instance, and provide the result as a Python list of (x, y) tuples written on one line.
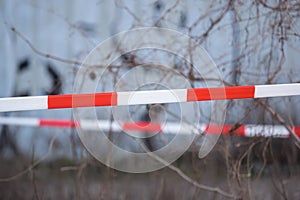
[(249, 130), (147, 97)]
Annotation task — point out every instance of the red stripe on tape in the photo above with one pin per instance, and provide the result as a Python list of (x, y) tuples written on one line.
[(297, 130), (142, 126), (235, 92), (57, 123), (82, 100), (226, 130)]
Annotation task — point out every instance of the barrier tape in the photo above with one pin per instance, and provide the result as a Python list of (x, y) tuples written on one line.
[(249, 130), (146, 97)]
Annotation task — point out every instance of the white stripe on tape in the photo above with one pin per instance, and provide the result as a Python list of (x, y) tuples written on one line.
[(23, 103), (184, 129), (276, 90), (19, 121), (266, 131), (104, 125), (151, 97)]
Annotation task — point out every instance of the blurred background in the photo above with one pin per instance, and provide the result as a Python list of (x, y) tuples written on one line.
[(253, 42)]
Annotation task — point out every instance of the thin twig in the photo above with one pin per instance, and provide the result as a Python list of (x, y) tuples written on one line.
[(187, 178), (54, 57), (33, 165)]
